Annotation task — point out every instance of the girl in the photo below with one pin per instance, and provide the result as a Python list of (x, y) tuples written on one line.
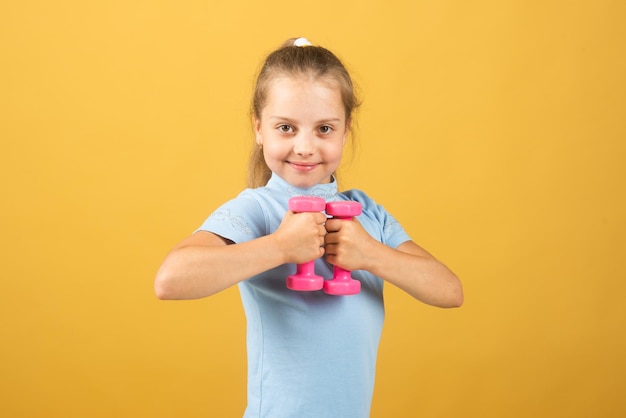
[(309, 354)]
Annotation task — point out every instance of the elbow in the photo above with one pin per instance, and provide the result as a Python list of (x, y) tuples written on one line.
[(161, 292), (456, 299), (454, 295), (163, 288)]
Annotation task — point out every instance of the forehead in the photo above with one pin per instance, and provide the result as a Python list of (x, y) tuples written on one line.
[(302, 90)]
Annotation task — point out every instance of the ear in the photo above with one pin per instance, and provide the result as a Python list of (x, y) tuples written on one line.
[(257, 131), (347, 131)]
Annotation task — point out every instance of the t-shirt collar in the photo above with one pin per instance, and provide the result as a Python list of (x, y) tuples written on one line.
[(326, 190)]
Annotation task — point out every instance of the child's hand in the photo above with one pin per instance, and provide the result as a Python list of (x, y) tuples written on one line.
[(300, 236), (348, 245)]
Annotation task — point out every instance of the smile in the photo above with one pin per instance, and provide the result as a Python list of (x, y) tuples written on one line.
[(304, 167)]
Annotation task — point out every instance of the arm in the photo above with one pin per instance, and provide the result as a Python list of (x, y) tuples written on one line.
[(408, 267), (205, 263)]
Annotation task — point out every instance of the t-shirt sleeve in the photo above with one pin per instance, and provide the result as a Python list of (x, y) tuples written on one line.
[(239, 220), (393, 232)]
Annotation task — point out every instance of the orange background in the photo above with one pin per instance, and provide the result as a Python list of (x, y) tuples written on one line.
[(493, 130)]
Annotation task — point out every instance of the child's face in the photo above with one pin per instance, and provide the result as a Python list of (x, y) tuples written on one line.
[(302, 130)]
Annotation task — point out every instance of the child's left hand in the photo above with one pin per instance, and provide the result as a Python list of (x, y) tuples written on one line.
[(348, 245)]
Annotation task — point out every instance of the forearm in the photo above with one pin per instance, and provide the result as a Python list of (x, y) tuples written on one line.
[(417, 273), (197, 271), (204, 263)]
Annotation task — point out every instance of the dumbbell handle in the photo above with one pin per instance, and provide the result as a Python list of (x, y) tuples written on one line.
[(305, 278), (342, 282)]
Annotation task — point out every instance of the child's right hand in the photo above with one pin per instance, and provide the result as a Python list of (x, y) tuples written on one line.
[(300, 236)]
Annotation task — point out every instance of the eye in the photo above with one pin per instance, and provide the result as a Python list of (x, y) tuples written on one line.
[(325, 129), (285, 128)]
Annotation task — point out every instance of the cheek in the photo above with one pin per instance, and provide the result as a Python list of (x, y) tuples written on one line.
[(273, 151), (334, 151)]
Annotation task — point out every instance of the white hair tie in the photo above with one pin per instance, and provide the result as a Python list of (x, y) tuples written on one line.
[(302, 42)]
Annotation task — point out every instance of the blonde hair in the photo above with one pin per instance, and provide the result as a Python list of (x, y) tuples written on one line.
[(291, 60)]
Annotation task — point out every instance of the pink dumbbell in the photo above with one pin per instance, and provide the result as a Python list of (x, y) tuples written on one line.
[(305, 279), (342, 282)]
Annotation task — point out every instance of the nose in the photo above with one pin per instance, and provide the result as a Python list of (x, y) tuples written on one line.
[(304, 144)]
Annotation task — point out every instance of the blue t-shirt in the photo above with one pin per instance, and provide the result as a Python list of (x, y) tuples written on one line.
[(309, 354)]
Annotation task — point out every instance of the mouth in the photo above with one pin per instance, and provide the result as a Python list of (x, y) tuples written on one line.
[(303, 166)]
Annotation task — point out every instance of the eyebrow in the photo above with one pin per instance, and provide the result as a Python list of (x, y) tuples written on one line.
[(329, 120)]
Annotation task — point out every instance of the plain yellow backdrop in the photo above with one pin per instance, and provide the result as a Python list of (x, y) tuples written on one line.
[(493, 130)]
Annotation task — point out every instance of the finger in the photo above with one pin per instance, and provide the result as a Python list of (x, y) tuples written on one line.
[(319, 218), (330, 249), (333, 225), (331, 238)]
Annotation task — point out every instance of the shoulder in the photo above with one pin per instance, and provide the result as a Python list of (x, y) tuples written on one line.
[(239, 219), (371, 208), (247, 201), (363, 198), (391, 232)]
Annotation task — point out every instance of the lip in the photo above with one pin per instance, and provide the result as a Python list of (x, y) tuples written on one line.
[(303, 166)]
